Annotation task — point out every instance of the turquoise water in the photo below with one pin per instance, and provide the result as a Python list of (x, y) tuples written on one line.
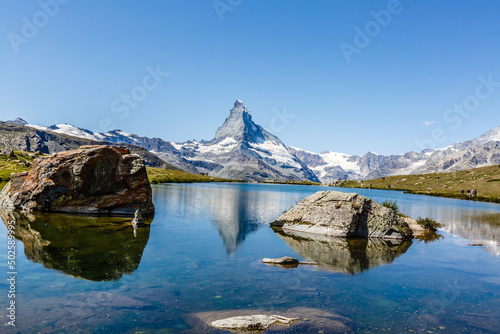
[(203, 251)]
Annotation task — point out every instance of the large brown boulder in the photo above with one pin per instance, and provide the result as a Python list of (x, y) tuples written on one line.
[(91, 180), (339, 214)]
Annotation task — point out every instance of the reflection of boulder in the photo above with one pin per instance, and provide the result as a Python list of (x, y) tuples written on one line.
[(345, 255), (92, 248)]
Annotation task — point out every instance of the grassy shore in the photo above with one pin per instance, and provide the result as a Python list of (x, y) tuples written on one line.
[(19, 163), (160, 175), (302, 183), (485, 180)]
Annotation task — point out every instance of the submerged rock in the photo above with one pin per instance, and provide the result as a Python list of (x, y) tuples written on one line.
[(287, 262), (300, 320), (341, 214), (252, 322), (90, 180)]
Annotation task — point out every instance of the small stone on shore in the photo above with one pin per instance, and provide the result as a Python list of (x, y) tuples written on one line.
[(285, 260)]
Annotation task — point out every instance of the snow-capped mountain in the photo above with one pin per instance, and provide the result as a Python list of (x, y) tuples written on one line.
[(163, 149), (70, 130), (240, 149), (488, 137), (479, 152), (18, 135)]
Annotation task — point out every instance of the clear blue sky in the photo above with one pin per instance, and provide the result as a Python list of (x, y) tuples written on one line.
[(274, 55)]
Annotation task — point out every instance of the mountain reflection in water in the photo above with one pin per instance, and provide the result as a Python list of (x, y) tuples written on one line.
[(91, 248), (235, 210), (345, 255)]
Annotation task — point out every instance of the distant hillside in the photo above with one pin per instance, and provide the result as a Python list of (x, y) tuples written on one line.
[(486, 180), (161, 175)]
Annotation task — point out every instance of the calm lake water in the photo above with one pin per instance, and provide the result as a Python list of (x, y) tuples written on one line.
[(203, 251)]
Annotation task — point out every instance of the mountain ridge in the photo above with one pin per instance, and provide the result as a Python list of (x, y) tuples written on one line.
[(478, 152), (242, 149), (24, 138)]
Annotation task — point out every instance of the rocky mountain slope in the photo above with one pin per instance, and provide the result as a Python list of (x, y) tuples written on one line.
[(328, 166), (15, 135)]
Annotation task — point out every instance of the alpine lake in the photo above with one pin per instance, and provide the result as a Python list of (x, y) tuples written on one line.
[(202, 254)]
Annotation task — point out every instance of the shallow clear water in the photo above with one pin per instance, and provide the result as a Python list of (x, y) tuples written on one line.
[(203, 252)]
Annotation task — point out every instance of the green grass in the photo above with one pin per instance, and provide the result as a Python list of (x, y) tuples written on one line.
[(15, 164), (429, 223), (160, 175), (482, 179), (391, 205)]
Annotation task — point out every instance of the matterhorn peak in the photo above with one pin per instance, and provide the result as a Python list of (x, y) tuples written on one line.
[(239, 107), (239, 125)]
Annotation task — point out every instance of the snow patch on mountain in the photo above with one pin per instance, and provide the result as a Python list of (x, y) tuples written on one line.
[(270, 150), (492, 135), (224, 146), (347, 162)]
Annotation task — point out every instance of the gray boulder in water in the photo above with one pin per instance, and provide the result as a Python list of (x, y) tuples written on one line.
[(339, 214)]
